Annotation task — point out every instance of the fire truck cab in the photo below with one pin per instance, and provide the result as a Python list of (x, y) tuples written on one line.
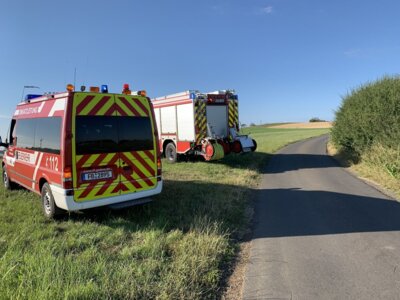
[(80, 150)]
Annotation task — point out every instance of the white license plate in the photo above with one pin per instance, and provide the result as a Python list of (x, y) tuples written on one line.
[(97, 175)]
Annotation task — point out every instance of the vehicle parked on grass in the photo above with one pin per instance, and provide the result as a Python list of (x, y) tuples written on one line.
[(80, 150), (200, 124)]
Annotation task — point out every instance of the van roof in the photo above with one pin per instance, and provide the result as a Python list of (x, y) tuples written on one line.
[(43, 98)]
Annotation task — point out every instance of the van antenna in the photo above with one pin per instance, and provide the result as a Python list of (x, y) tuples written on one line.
[(74, 78)]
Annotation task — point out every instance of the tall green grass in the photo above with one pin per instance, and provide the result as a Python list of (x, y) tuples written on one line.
[(177, 247)]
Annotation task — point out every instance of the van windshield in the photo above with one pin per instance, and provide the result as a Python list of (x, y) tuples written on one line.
[(110, 134)]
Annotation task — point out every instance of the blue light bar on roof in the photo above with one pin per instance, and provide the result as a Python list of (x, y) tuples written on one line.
[(104, 88), (31, 96)]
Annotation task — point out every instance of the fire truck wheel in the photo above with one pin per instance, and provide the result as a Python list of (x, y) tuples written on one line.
[(170, 153), (50, 208), (8, 184)]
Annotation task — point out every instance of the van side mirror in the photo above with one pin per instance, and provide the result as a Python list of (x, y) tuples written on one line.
[(3, 144)]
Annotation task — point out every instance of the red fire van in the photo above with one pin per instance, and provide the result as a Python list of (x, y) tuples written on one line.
[(81, 150)]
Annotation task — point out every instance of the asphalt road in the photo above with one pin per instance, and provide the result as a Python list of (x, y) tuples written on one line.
[(321, 233)]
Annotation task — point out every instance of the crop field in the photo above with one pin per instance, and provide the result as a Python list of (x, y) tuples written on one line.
[(308, 125), (178, 247)]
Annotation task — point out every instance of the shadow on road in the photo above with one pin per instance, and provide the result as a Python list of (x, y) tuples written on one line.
[(294, 212), (293, 162)]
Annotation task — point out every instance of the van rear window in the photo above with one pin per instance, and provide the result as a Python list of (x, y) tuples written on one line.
[(109, 134)]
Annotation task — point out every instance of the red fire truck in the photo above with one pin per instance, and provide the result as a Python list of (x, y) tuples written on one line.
[(200, 124), (81, 150)]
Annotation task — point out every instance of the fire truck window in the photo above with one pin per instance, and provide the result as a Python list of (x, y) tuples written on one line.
[(135, 134), (96, 134), (48, 135), (25, 133)]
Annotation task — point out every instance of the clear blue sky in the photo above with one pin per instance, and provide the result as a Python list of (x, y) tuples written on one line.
[(288, 60)]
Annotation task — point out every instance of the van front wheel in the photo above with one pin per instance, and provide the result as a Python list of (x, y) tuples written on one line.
[(50, 208), (8, 184)]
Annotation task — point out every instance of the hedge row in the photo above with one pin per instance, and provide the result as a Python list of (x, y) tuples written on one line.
[(368, 116)]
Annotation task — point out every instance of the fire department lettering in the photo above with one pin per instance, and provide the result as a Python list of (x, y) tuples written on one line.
[(30, 110), (29, 158)]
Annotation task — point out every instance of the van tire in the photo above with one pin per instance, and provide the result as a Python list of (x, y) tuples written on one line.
[(49, 206), (7, 183), (170, 153)]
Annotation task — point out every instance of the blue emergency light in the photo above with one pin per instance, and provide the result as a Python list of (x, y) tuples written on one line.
[(104, 88), (31, 96)]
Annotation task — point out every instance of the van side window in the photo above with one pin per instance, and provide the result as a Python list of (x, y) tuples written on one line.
[(25, 133), (48, 135), (40, 134)]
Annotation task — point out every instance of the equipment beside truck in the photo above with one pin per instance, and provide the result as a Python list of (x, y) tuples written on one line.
[(200, 124)]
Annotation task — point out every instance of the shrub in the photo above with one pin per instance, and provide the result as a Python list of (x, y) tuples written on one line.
[(369, 115), (316, 119)]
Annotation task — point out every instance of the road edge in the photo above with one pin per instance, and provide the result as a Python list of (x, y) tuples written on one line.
[(367, 181)]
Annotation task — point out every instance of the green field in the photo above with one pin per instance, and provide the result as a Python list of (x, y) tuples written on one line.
[(177, 247)]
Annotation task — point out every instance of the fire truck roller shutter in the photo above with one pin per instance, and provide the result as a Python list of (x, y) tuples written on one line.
[(217, 119), (185, 122)]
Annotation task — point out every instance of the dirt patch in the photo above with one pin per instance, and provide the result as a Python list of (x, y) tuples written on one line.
[(305, 125), (236, 280)]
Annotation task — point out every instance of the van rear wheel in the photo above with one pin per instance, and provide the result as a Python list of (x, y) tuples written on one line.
[(49, 206), (170, 153), (8, 184)]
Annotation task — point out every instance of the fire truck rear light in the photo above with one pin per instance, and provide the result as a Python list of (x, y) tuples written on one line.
[(104, 88), (94, 89), (70, 87), (83, 88)]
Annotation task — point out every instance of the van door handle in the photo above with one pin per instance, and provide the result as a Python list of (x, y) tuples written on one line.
[(127, 169)]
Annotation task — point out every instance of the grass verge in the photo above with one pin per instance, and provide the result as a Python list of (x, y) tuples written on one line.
[(378, 165), (178, 247)]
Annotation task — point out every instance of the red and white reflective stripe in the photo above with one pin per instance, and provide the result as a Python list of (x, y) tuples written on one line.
[(59, 105), (36, 169), (160, 105)]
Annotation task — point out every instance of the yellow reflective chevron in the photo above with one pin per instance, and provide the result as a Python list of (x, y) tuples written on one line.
[(233, 113), (200, 120)]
